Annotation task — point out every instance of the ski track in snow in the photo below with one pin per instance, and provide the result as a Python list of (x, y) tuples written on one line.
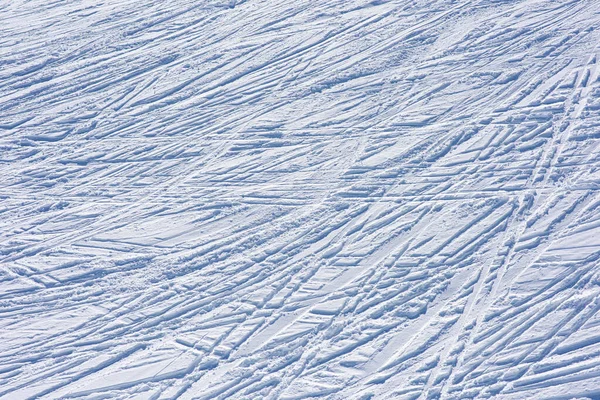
[(288, 200)]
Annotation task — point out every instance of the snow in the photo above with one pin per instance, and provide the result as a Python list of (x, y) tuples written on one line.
[(257, 199)]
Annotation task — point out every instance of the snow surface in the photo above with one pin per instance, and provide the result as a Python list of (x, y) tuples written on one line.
[(264, 199)]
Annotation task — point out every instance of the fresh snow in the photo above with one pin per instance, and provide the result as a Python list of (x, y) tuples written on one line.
[(262, 199)]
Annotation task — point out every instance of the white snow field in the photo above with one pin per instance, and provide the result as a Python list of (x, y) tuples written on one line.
[(268, 199)]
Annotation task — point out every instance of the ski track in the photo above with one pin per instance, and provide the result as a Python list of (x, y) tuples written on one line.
[(290, 200)]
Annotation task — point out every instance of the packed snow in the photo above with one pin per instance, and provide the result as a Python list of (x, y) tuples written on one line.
[(261, 199)]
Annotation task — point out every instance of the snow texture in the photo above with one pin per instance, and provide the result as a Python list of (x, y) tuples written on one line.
[(261, 199)]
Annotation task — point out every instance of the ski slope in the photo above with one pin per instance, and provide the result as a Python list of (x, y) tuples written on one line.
[(303, 199)]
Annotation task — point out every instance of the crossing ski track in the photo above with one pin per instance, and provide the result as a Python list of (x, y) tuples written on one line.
[(335, 199)]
